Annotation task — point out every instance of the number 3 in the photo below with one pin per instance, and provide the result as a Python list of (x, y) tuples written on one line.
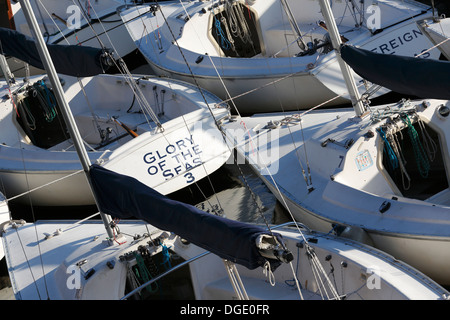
[(189, 177)]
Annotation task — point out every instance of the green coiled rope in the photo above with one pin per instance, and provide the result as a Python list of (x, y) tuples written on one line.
[(420, 155)]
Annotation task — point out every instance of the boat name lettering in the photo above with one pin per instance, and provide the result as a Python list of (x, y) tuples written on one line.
[(173, 159), (390, 46)]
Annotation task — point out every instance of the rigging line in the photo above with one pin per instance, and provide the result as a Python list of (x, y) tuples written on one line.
[(268, 59), (324, 103), (207, 199), (32, 213), (235, 280), (231, 141), (225, 136), (88, 22), (319, 281), (44, 185), (104, 30), (253, 195), (184, 58), (230, 99), (53, 20), (201, 92), (308, 183), (154, 118), (301, 43), (142, 101), (146, 32), (260, 87), (433, 47), (297, 283), (210, 59), (411, 16), (43, 22), (38, 244), (31, 204), (125, 72), (317, 266), (99, 129), (203, 164), (79, 222), (28, 263), (353, 12), (138, 94), (241, 118)]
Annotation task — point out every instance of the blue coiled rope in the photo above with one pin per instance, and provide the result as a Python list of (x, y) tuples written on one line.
[(393, 160), (224, 42)]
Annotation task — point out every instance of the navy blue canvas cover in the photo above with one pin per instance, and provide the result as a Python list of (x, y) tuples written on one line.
[(72, 60), (125, 197), (423, 78)]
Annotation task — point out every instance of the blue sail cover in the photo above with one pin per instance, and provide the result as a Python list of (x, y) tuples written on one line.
[(423, 78), (124, 197), (72, 60)]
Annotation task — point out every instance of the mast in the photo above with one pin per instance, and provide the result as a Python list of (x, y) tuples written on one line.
[(59, 94), (358, 106)]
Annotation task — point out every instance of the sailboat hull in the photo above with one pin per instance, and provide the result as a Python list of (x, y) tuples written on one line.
[(80, 264), (167, 159), (177, 41), (428, 254), (327, 168)]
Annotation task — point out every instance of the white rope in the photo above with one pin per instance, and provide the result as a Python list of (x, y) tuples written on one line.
[(267, 271), (322, 280), (297, 284)]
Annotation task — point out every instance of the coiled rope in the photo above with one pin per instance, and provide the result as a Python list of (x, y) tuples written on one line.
[(392, 157), (47, 100), (422, 161)]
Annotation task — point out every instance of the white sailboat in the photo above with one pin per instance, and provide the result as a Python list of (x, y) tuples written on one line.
[(270, 55), (78, 261), (159, 131), (382, 172)]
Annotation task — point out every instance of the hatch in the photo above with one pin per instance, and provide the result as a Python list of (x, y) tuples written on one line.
[(413, 158), (234, 30)]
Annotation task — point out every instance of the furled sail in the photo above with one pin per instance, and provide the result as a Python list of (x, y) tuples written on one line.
[(124, 197), (72, 60), (423, 78)]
